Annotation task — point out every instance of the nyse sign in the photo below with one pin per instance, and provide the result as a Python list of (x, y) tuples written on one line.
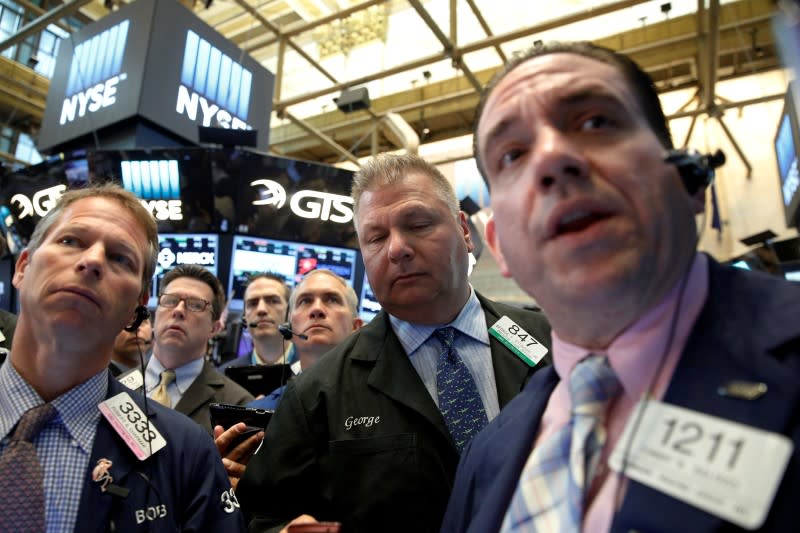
[(306, 203), (164, 209)]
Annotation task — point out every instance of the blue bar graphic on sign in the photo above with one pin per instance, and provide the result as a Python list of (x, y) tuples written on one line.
[(152, 180), (216, 76), (97, 59)]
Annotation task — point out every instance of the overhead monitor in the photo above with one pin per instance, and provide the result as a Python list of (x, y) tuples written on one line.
[(184, 249), (289, 260), (368, 306), (787, 148)]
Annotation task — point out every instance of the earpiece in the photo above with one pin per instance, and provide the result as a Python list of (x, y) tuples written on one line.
[(141, 314), (696, 170), (285, 329)]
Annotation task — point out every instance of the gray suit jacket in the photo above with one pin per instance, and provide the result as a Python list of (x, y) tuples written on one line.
[(210, 387)]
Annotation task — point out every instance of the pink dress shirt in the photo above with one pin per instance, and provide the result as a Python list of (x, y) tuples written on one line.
[(634, 355)]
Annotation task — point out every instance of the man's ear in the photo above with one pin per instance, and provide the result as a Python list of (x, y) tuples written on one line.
[(462, 220), (698, 200), (494, 247), (357, 323), (19, 269)]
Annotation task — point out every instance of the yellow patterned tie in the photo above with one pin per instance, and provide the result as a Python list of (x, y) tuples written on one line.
[(160, 394)]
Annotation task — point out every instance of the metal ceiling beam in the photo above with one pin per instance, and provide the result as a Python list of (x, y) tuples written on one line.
[(33, 8), (274, 29), (42, 22), (308, 26), (449, 47), (473, 47), (712, 46), (486, 28), (321, 136)]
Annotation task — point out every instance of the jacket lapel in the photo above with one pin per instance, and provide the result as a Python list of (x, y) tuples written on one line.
[(200, 391), (392, 372), (716, 353)]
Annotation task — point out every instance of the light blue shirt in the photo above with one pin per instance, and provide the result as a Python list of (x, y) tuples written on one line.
[(472, 344), (64, 444), (184, 377)]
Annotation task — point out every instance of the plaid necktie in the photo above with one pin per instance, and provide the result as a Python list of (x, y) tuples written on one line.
[(160, 394), (459, 401), (22, 475), (552, 488)]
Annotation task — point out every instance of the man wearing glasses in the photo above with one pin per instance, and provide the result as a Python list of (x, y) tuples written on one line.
[(189, 306)]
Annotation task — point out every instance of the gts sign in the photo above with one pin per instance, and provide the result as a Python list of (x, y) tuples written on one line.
[(306, 203)]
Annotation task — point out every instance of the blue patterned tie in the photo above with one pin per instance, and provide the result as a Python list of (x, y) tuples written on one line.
[(459, 401), (552, 488), (22, 476)]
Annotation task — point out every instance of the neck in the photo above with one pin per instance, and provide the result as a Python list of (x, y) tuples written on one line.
[(172, 359), (270, 349), (308, 357), (53, 365)]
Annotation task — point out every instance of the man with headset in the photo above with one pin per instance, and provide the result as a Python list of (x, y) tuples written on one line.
[(594, 217), (78, 450), (266, 299)]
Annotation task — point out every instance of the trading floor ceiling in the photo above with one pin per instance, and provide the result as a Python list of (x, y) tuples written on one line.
[(426, 60)]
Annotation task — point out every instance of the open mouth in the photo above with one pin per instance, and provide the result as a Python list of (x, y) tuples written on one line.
[(578, 221)]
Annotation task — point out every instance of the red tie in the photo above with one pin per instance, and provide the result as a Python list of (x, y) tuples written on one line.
[(22, 476)]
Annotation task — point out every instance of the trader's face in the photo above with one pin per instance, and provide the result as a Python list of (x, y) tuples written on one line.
[(264, 305), (321, 313), (586, 212), (85, 279), (415, 251), (128, 345), (182, 332)]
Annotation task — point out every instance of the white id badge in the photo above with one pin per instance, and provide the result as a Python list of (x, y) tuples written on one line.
[(132, 425), (523, 344), (725, 468), (133, 379)]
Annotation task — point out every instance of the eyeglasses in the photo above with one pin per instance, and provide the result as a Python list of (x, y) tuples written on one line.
[(195, 305)]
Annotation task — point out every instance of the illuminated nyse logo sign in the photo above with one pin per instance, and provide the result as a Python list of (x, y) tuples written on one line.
[(213, 84), (41, 203), (306, 203), (157, 183), (94, 73)]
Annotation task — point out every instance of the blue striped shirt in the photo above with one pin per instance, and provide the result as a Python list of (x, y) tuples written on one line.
[(472, 344), (64, 445)]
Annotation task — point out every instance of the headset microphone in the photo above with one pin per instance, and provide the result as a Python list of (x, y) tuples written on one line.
[(141, 314), (696, 170), (285, 329)]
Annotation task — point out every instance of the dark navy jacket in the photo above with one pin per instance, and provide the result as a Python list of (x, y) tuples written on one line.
[(748, 330)]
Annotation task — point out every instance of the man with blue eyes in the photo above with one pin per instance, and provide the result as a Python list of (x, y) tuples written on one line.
[(370, 435), (651, 338), (187, 317), (74, 452)]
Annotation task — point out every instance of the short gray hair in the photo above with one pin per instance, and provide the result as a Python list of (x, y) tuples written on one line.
[(390, 169)]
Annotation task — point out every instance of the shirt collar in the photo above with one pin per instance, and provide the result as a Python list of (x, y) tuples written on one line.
[(470, 321), (77, 408), (184, 375), (647, 335)]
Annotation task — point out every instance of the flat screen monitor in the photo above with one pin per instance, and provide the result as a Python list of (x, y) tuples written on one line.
[(791, 270), (184, 249), (368, 306), (786, 155), (290, 260)]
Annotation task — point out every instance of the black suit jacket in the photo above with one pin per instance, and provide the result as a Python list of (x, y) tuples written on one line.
[(358, 439)]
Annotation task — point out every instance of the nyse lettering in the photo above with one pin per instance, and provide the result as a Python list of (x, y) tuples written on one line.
[(322, 205), (164, 209), (92, 99), (189, 103)]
